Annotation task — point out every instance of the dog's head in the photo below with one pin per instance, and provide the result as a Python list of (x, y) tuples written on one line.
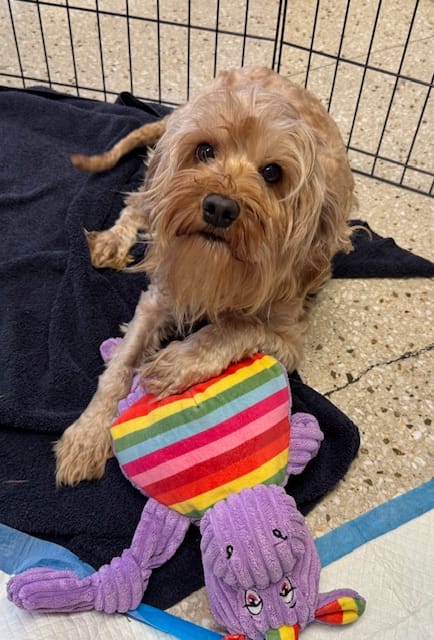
[(242, 205)]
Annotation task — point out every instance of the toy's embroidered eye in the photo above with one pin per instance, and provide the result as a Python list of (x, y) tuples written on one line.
[(271, 173), (204, 152), (229, 551), (287, 591), (278, 534), (253, 602)]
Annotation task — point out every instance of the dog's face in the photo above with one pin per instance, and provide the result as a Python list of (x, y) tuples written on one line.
[(235, 196)]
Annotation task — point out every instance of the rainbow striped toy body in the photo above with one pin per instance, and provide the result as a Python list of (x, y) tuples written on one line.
[(194, 449)]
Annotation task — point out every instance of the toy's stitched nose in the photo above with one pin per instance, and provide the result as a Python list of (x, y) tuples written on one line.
[(220, 211)]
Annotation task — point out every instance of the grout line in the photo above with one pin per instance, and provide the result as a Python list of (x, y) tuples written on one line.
[(404, 356)]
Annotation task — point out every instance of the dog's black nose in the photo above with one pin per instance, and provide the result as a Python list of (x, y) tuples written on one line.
[(220, 211)]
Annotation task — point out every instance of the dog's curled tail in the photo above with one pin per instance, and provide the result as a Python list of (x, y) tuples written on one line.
[(146, 135)]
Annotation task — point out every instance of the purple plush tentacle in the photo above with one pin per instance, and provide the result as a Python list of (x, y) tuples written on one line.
[(137, 391), (335, 594), (107, 350), (108, 347), (48, 590), (118, 586), (305, 440)]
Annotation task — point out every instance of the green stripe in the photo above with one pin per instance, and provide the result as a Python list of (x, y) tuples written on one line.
[(277, 478), (213, 403), (273, 634), (361, 606)]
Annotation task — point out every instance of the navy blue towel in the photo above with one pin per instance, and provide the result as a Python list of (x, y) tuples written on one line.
[(55, 311), (377, 257)]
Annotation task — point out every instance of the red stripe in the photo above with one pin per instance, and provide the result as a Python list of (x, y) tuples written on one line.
[(226, 467), (143, 406), (330, 613), (333, 618), (185, 446), (219, 478)]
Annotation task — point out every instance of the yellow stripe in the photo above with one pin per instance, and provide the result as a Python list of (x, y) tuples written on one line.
[(349, 616), (160, 412), (287, 633), (205, 500), (349, 609)]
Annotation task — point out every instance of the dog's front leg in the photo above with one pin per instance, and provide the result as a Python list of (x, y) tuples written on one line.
[(210, 350), (82, 451), (111, 247)]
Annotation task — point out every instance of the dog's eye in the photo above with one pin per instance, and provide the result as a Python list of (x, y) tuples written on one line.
[(271, 173), (204, 151)]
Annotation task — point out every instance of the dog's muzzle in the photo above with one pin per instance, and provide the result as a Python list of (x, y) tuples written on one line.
[(220, 211)]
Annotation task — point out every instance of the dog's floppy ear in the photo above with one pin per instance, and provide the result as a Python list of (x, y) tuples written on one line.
[(153, 162), (336, 181), (330, 204), (333, 229)]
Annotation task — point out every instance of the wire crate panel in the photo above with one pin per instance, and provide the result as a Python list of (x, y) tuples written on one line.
[(370, 62)]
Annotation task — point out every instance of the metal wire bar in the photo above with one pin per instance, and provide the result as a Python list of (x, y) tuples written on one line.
[(216, 42), (312, 40), (159, 49), (101, 53), (71, 40), (407, 187), (278, 34), (365, 69), (246, 20), (393, 161), (41, 28), (66, 86), (130, 55), (188, 48), (338, 58), (401, 64), (17, 48), (416, 132)]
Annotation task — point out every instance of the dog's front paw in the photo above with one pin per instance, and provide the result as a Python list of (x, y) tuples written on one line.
[(107, 249), (174, 369), (81, 453)]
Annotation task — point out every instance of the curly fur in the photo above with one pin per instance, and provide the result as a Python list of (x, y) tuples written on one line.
[(252, 280)]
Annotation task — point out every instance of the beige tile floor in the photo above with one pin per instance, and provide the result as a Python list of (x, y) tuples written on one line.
[(370, 345)]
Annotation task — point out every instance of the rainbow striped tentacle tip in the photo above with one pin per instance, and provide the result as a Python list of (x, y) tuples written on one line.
[(343, 610), (191, 450), (285, 632)]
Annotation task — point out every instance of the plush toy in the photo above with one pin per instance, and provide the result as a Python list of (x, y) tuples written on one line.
[(218, 455)]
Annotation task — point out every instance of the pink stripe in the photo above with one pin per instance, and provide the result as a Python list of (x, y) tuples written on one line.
[(230, 426), (214, 448), (196, 441)]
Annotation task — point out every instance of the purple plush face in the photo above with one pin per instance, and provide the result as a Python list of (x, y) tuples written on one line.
[(261, 566), (260, 610)]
